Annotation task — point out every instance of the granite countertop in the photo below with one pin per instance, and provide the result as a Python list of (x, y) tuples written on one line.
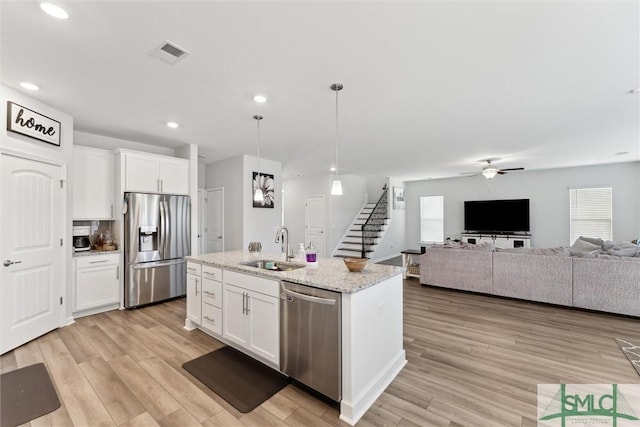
[(92, 252), (331, 273)]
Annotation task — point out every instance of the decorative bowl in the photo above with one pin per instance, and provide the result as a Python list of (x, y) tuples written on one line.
[(355, 264)]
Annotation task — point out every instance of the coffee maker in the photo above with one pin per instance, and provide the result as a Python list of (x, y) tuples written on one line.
[(81, 241)]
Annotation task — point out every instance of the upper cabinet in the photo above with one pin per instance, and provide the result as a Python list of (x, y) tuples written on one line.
[(152, 173), (93, 180)]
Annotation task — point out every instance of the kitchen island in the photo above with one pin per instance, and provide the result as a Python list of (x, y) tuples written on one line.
[(371, 315)]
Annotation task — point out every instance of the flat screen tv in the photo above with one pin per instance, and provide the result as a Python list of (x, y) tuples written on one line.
[(497, 216)]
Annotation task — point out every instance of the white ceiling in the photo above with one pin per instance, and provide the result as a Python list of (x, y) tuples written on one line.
[(431, 87)]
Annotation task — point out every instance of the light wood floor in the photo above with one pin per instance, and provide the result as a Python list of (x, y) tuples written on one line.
[(472, 361)]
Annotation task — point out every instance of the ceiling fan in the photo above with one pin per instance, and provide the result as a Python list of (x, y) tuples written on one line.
[(489, 170)]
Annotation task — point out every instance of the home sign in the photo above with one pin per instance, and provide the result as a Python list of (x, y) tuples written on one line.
[(32, 124)]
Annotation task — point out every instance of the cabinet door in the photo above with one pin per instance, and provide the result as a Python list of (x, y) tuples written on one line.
[(194, 298), (141, 173), (235, 320), (174, 175), (96, 286), (92, 183), (264, 326)]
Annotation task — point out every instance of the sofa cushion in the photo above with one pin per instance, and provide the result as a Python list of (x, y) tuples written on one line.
[(485, 246), (533, 277), (559, 251)]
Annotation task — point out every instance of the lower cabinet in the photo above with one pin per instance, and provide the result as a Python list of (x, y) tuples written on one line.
[(97, 279), (212, 299), (241, 309), (251, 314)]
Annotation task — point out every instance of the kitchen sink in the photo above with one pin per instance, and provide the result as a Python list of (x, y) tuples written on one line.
[(266, 264)]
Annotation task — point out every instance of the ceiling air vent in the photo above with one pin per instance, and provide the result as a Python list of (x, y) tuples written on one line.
[(168, 52)]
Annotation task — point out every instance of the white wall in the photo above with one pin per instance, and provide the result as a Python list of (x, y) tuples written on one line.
[(229, 175), (261, 224), (548, 194), (190, 152), (242, 222), (340, 210), (108, 143), (394, 239)]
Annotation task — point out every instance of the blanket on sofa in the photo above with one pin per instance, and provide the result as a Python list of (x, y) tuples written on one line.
[(598, 248)]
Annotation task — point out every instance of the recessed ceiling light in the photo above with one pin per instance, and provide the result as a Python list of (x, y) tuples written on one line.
[(260, 99), (55, 11), (172, 125), (29, 86), (332, 168)]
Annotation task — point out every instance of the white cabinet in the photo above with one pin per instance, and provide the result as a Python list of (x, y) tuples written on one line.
[(152, 173), (97, 279), (251, 314), (194, 295), (212, 299), (499, 240), (92, 183)]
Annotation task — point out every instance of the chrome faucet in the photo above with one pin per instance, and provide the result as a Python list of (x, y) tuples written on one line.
[(284, 234)]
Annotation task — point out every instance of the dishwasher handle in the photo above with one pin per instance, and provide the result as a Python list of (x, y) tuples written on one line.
[(288, 295)]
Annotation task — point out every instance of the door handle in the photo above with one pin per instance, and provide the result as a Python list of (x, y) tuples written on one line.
[(196, 287), (8, 262)]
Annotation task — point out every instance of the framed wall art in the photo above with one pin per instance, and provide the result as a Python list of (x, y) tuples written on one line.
[(398, 197), (32, 124), (265, 182)]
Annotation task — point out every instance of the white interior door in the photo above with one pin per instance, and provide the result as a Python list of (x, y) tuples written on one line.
[(214, 228), (314, 223), (32, 254)]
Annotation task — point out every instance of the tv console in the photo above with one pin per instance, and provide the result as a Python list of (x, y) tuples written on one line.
[(499, 240)]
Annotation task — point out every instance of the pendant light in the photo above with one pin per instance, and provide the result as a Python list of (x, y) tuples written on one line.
[(258, 196), (336, 187)]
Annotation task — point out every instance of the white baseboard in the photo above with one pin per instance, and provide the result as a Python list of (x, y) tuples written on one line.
[(351, 412)]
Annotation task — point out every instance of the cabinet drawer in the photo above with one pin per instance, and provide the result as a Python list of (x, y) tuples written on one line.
[(194, 268), (212, 318), (213, 273), (211, 292), (97, 260), (253, 283)]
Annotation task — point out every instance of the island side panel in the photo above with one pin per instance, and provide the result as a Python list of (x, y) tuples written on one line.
[(372, 353)]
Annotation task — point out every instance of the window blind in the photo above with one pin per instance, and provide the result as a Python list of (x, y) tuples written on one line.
[(432, 219), (591, 213)]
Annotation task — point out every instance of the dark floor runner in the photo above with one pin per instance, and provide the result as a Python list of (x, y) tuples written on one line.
[(631, 349), (25, 394), (240, 380)]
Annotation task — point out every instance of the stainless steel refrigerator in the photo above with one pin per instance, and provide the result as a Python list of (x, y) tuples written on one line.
[(156, 239)]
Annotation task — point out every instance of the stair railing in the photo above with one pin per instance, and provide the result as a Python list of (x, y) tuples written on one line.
[(379, 209)]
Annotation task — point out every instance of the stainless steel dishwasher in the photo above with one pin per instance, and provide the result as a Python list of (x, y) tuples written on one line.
[(310, 337)]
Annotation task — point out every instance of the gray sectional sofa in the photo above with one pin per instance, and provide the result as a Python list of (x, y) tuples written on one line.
[(550, 275)]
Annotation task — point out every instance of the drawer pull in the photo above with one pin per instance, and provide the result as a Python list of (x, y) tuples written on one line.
[(213, 294), (97, 262), (209, 319)]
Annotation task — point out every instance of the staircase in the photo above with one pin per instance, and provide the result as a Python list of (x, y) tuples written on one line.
[(366, 230)]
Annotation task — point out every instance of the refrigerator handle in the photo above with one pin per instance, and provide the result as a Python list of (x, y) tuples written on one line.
[(161, 234), (166, 224)]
